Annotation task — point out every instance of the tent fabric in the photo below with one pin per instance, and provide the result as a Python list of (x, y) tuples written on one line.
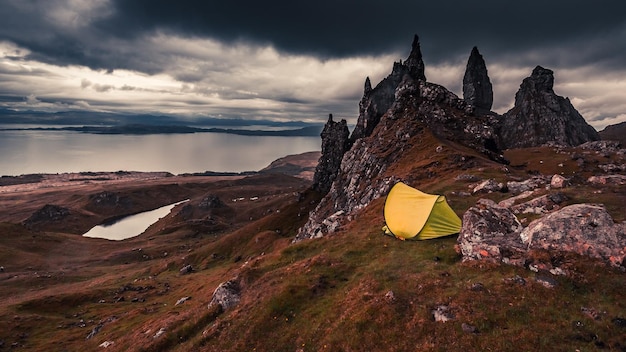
[(413, 214)]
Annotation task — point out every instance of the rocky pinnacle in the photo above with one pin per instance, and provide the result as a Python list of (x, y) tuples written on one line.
[(477, 89)]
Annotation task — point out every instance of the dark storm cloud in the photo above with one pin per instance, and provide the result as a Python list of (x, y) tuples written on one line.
[(564, 33)]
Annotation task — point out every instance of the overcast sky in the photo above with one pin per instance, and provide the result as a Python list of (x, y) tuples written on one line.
[(298, 60)]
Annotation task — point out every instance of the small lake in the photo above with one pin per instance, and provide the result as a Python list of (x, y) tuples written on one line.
[(30, 152), (130, 226)]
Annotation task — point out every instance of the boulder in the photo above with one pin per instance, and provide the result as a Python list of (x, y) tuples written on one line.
[(490, 232), (226, 295), (585, 229)]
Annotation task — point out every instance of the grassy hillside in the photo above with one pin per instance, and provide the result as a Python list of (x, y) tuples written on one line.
[(356, 290)]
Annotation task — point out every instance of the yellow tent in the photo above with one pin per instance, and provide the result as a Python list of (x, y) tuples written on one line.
[(412, 214)]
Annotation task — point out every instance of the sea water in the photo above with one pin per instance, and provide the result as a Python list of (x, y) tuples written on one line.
[(32, 151)]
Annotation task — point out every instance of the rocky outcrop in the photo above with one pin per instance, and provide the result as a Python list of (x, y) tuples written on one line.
[(477, 89), (48, 213), (493, 233), (540, 116), (377, 101), (334, 145), (211, 201)]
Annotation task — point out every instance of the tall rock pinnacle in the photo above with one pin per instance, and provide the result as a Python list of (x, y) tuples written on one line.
[(540, 116), (477, 89), (334, 145), (414, 62)]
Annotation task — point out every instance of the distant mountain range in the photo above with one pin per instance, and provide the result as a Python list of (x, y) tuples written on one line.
[(110, 123)]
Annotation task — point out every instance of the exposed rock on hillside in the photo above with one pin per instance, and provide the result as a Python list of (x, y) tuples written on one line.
[(540, 116), (334, 145), (477, 89)]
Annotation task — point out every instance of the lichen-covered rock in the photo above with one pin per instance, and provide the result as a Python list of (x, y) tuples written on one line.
[(585, 229), (490, 232), (226, 295)]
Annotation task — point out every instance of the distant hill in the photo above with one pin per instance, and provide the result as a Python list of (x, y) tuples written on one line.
[(615, 132), (137, 129)]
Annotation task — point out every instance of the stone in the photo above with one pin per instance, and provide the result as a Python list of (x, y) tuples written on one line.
[(477, 88), (530, 184), (540, 205), (187, 269), (607, 180), (540, 116), (226, 295), (442, 314), (159, 333), (558, 181), (182, 300), (106, 344), (488, 186), (335, 143), (470, 329), (508, 203)]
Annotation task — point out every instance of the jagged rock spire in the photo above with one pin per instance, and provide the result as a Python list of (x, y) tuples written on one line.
[(540, 116), (414, 62), (368, 85), (477, 89), (334, 146)]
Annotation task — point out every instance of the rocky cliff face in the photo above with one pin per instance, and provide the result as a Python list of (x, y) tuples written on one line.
[(477, 89), (334, 145), (540, 116)]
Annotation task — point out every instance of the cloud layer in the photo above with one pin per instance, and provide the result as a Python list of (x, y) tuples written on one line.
[(297, 60)]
